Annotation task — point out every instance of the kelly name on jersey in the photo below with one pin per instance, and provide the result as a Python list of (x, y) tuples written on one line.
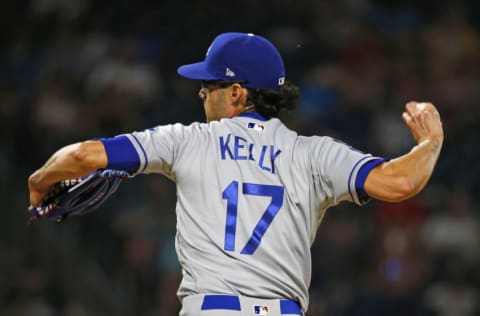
[(236, 147)]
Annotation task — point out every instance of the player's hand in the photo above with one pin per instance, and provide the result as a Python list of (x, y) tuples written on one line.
[(423, 120), (36, 196), (37, 193)]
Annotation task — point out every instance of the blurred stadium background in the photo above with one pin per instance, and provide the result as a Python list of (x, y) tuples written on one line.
[(77, 69)]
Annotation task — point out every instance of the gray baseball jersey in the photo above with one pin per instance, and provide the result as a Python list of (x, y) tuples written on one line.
[(251, 194)]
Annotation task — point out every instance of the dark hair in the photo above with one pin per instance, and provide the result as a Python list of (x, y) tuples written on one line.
[(270, 103)]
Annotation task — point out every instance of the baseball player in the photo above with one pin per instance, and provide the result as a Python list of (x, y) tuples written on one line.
[(251, 193)]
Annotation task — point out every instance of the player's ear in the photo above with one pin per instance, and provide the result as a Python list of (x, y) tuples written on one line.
[(238, 94)]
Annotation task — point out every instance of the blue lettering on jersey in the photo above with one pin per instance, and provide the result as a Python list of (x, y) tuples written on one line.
[(273, 155), (225, 148), (239, 144), (250, 152), (240, 149)]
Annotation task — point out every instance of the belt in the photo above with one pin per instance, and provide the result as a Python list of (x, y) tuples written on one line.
[(232, 302)]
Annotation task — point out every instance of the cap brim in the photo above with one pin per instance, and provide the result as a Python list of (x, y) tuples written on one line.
[(196, 71)]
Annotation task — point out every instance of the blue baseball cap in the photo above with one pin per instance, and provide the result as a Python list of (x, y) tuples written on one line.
[(239, 57)]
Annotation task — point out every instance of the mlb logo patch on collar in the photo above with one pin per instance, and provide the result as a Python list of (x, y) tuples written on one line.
[(260, 309), (255, 126)]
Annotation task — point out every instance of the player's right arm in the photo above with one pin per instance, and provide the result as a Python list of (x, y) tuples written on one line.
[(405, 176)]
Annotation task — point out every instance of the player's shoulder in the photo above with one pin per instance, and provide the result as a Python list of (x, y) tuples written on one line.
[(319, 140), (313, 140), (316, 145)]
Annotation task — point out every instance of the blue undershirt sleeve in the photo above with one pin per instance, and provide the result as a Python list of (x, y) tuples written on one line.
[(121, 154)]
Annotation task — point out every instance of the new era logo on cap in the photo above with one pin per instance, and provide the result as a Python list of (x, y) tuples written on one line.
[(229, 73), (256, 61)]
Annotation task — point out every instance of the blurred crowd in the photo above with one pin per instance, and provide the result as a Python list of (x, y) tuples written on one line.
[(72, 70)]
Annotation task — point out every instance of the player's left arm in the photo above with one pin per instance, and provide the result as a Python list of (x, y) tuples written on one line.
[(405, 176), (69, 162)]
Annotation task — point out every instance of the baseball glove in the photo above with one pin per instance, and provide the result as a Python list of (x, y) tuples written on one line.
[(77, 197)]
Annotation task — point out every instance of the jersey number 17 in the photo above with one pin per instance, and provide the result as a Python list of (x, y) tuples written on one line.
[(231, 195)]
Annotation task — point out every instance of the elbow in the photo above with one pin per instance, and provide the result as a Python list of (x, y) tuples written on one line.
[(405, 189)]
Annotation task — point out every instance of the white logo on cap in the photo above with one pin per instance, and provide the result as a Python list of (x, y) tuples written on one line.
[(229, 73), (281, 81)]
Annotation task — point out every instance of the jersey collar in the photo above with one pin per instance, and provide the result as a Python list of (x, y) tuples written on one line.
[(253, 115)]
